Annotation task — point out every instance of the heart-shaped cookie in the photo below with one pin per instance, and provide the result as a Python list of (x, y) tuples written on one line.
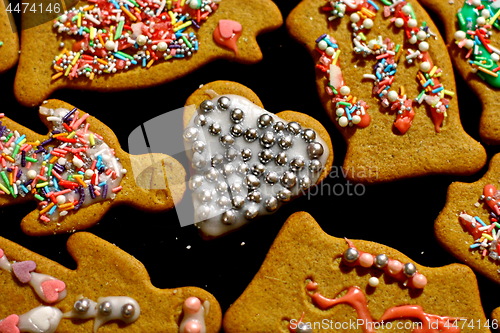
[(247, 161)]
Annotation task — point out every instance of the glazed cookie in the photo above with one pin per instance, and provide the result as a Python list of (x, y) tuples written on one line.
[(385, 83), (9, 42), (78, 171), (246, 162), (475, 59), (109, 45), (109, 291), (313, 282), (468, 224)]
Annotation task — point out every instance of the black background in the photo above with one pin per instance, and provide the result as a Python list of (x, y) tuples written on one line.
[(399, 214)]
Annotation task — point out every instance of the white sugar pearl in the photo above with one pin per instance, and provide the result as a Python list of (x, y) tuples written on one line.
[(345, 90), (413, 39), (481, 20), (421, 35), (355, 18), (32, 174), (423, 46), (412, 23), (495, 57), (406, 10), (343, 122), (460, 35), (330, 51), (356, 119), (339, 112), (425, 66), (373, 281), (392, 95), (485, 13), (109, 45), (399, 22), (141, 40), (62, 161), (322, 45), (61, 199), (469, 43), (89, 173), (476, 3), (368, 23), (162, 46)]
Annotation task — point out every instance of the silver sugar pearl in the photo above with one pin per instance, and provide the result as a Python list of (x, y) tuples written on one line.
[(272, 177), (308, 135), (297, 163), (198, 146), (243, 168), (195, 182), (271, 204), (293, 127), (381, 260), (258, 169), (214, 129), (128, 310), (409, 269), (251, 134), (199, 161), (237, 130), (223, 201), (236, 187), (252, 181), (251, 213), (254, 196), (284, 195), (82, 305), (264, 120), (246, 154), (304, 328), (265, 156), (315, 166), (315, 150), (238, 202), (305, 182), (203, 212), (227, 140), (230, 154), (105, 308), (228, 217), (228, 169), (222, 187), (289, 179), (223, 103), (281, 158), (285, 142), (237, 115), (200, 120), (207, 106), (211, 175), (351, 255), (205, 196), (279, 126), (267, 139), (190, 134), (217, 159)]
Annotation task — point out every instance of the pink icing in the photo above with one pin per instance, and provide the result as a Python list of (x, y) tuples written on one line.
[(227, 34)]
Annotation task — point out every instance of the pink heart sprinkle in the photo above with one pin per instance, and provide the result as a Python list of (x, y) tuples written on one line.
[(9, 324), (228, 27), (1, 253), (51, 289), (22, 270)]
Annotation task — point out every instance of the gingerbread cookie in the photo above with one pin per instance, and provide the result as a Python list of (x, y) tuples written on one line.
[(246, 161), (472, 40), (109, 291), (468, 224), (78, 171), (115, 45), (313, 282), (384, 81), (9, 42)]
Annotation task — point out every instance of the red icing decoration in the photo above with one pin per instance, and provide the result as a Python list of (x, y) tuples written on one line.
[(9, 324), (227, 34), (490, 192), (1, 253), (51, 289), (22, 270)]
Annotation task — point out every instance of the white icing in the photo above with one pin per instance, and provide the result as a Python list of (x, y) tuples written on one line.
[(5, 264), (90, 313), (210, 213), (43, 319)]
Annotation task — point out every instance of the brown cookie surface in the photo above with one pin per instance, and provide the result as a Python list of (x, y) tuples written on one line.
[(102, 270), (34, 83), (9, 49), (489, 127), (152, 181), (269, 190), (305, 276), (379, 149)]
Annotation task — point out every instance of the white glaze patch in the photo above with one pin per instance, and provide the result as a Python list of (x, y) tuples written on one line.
[(43, 319), (222, 196)]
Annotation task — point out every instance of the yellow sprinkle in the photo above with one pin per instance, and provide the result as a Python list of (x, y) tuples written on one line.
[(5, 189), (129, 14), (488, 237), (92, 33), (183, 25), (42, 184), (150, 63), (336, 57), (169, 4), (71, 135), (172, 17), (182, 3), (402, 91), (79, 20), (91, 139), (68, 70), (91, 76), (449, 92), (75, 59), (59, 134), (494, 17), (169, 57), (433, 70), (66, 206)]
